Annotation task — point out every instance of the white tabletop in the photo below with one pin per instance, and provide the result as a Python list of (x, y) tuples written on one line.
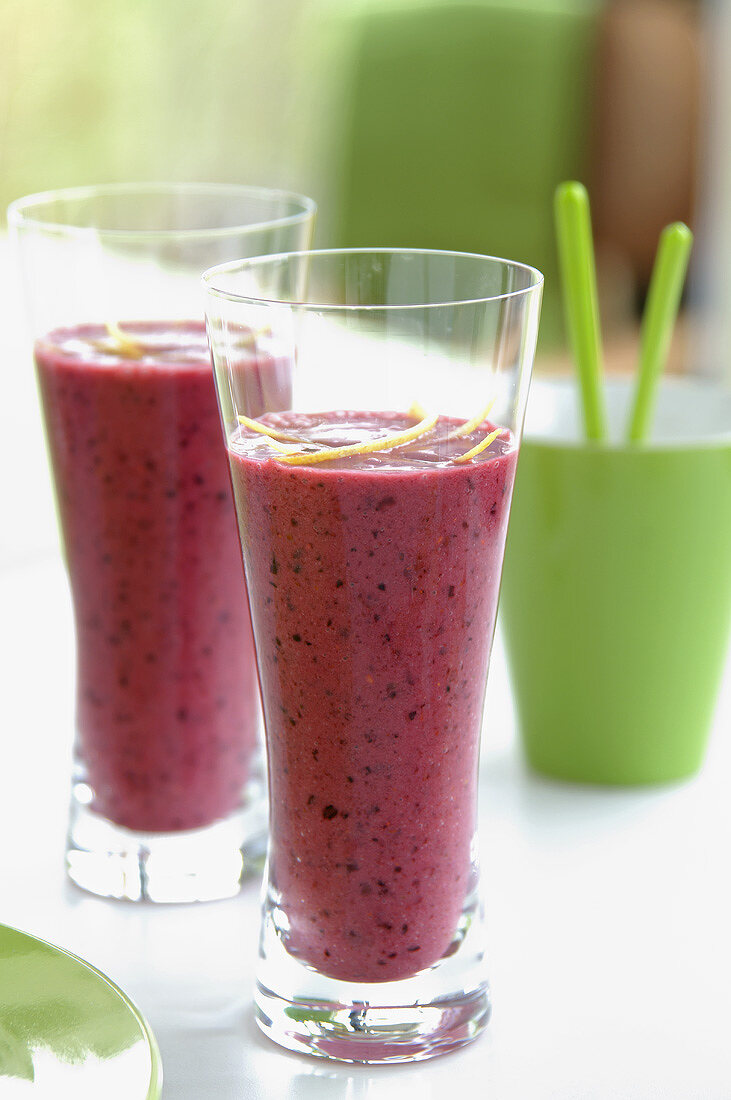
[(608, 910)]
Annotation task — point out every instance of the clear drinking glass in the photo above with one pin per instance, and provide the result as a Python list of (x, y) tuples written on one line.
[(168, 800), (373, 577)]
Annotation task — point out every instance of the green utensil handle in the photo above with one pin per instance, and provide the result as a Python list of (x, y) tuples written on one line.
[(661, 310), (578, 273)]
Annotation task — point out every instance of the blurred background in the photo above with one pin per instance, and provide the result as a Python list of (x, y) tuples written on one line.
[(428, 123)]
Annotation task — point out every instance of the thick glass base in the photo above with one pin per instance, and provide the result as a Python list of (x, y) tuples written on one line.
[(436, 1010), (196, 865)]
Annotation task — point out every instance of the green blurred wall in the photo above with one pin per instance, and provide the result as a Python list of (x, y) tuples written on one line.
[(461, 120)]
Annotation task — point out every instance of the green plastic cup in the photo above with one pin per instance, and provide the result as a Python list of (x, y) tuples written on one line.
[(616, 598)]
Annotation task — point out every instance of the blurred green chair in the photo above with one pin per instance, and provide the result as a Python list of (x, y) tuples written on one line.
[(461, 117)]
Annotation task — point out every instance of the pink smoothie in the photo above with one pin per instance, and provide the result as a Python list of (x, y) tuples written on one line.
[(167, 698), (374, 586)]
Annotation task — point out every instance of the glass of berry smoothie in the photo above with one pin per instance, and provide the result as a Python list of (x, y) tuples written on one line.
[(168, 800), (373, 516)]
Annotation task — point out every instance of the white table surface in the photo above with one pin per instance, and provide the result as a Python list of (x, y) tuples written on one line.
[(609, 914)]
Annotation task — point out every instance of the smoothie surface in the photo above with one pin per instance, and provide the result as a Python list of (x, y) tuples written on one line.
[(438, 447), (148, 343)]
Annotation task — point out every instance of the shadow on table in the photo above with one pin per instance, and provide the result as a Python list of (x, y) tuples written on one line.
[(551, 808)]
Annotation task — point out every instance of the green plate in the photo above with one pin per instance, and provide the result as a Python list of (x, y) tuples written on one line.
[(67, 1030)]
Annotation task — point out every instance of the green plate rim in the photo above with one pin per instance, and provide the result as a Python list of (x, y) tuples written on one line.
[(154, 1088)]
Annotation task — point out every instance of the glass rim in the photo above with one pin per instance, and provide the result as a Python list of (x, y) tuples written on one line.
[(232, 266), (20, 211)]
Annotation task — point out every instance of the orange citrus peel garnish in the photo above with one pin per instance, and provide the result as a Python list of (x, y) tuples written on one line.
[(370, 446), (264, 429), (288, 445), (469, 425), (466, 429), (417, 410), (479, 447), (121, 343)]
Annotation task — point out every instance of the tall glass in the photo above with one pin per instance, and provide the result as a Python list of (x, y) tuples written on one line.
[(168, 802), (373, 520)]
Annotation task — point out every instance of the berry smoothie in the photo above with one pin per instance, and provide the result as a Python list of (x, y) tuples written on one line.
[(167, 705), (374, 584)]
